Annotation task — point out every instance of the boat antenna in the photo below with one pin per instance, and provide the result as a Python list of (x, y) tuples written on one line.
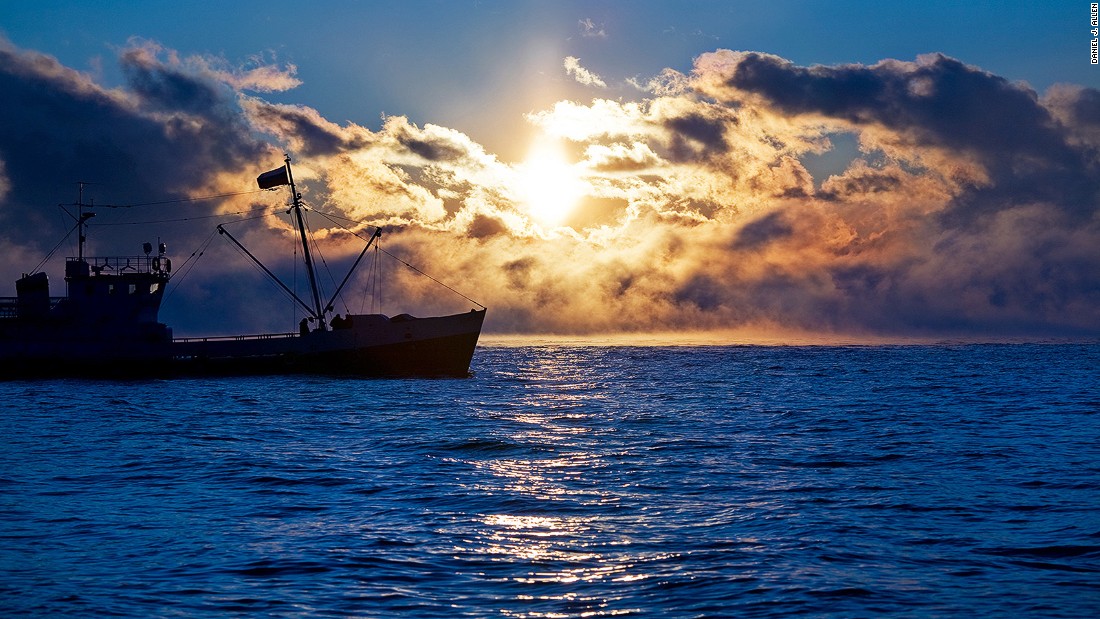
[(297, 208), (81, 219)]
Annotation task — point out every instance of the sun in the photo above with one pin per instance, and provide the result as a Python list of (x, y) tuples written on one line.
[(547, 184)]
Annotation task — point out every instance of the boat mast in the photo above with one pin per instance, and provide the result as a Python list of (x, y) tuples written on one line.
[(81, 220), (297, 208)]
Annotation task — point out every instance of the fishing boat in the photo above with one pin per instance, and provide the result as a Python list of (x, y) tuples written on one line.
[(107, 324)]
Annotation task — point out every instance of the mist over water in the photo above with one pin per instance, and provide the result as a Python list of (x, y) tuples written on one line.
[(564, 481)]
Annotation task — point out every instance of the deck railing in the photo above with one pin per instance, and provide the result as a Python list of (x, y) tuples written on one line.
[(124, 264), (236, 338)]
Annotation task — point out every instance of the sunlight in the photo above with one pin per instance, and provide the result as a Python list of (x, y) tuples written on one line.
[(548, 184)]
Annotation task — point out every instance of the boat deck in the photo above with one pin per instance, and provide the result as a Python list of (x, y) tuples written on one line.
[(234, 338)]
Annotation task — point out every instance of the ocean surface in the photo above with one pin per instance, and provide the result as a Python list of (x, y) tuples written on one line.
[(568, 481)]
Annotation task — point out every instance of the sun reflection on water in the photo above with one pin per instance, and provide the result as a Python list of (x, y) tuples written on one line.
[(552, 516), (535, 538), (558, 564)]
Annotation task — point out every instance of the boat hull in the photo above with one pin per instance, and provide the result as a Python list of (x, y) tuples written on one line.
[(373, 345)]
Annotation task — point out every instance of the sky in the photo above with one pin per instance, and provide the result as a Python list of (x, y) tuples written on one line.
[(842, 169)]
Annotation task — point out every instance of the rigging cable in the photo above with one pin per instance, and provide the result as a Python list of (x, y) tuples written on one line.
[(177, 201), (267, 276), (374, 280), (55, 248), (330, 218), (188, 265), (162, 221), (317, 248), (432, 278)]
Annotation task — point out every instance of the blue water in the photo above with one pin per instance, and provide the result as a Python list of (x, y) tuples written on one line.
[(568, 481)]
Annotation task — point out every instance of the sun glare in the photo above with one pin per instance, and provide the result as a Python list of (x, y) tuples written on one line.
[(548, 184)]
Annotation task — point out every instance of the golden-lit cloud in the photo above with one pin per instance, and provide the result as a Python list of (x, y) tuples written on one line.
[(582, 75), (968, 204)]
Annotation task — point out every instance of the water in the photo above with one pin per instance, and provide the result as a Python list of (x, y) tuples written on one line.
[(568, 481)]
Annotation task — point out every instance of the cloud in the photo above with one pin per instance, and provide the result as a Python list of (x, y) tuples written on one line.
[(969, 209), (668, 83), (592, 30), (259, 78), (933, 103), (258, 74), (168, 134), (584, 76), (634, 157), (302, 128)]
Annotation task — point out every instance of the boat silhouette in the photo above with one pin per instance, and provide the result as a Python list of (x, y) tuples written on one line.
[(107, 324)]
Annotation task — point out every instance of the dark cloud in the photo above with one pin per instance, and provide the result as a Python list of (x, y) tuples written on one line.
[(168, 136), (938, 100), (703, 292), (484, 226), (1085, 108), (433, 151), (519, 271), (58, 127), (709, 132), (309, 133), (863, 180), (165, 88), (763, 231), (432, 148), (696, 137), (942, 102)]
